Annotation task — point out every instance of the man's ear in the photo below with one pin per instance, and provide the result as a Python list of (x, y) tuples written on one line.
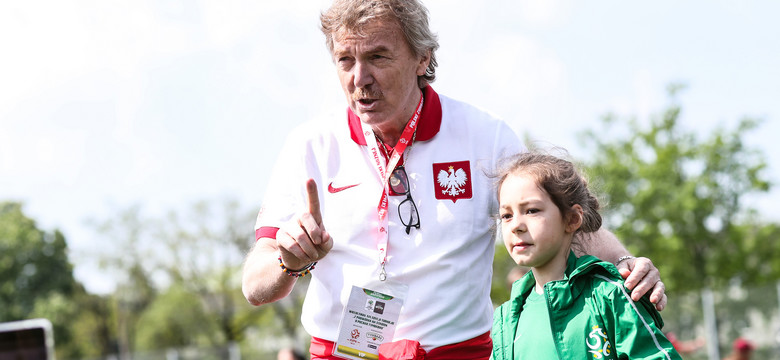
[(574, 218), (425, 59)]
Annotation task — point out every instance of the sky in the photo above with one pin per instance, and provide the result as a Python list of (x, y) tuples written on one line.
[(161, 103)]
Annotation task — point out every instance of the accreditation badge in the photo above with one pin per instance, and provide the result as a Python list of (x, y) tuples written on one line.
[(369, 319)]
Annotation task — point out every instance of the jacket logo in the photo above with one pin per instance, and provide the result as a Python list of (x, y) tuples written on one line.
[(600, 346), (452, 181)]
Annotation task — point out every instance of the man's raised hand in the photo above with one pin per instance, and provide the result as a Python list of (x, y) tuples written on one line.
[(304, 240)]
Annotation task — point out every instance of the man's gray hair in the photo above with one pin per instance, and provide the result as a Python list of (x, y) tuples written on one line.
[(411, 15)]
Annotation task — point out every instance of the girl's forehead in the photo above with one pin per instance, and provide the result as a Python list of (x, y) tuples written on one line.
[(520, 182), (521, 175)]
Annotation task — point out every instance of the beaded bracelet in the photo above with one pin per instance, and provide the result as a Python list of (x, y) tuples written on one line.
[(297, 273), (624, 258)]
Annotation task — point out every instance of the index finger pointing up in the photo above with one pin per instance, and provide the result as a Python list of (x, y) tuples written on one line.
[(314, 201)]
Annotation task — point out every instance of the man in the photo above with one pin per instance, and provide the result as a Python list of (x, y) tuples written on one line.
[(396, 197)]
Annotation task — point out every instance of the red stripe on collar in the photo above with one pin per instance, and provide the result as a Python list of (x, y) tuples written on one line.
[(430, 119)]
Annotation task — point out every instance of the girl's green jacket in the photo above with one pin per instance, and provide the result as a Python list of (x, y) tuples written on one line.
[(591, 314)]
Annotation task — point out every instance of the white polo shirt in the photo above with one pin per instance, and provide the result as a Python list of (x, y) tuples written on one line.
[(447, 263)]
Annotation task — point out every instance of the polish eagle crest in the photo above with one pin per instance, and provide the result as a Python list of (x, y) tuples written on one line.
[(452, 181)]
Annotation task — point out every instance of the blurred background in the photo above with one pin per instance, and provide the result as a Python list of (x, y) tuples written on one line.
[(136, 138)]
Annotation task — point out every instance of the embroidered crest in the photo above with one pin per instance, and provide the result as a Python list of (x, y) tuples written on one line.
[(600, 346), (452, 181)]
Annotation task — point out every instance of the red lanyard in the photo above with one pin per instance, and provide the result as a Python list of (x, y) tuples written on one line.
[(385, 170)]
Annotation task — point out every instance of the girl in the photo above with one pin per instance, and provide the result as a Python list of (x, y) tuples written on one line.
[(566, 307)]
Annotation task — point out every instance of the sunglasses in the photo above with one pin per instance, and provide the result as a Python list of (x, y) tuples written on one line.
[(407, 210)]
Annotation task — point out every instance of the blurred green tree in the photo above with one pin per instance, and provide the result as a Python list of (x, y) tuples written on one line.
[(36, 281), (205, 248), (34, 263), (180, 277), (175, 319), (126, 256), (678, 200)]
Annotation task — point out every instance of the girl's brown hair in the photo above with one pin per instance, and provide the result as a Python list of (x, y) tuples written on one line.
[(561, 180)]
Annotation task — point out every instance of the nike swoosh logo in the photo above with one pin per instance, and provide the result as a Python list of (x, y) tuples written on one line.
[(334, 190)]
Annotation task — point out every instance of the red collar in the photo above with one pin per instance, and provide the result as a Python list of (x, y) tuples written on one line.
[(430, 119)]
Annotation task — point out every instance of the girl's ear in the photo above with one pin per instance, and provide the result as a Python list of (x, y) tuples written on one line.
[(574, 219)]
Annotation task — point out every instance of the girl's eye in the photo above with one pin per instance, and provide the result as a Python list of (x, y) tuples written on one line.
[(506, 216), (532, 211)]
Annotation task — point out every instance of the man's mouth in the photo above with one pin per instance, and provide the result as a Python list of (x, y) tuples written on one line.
[(366, 97)]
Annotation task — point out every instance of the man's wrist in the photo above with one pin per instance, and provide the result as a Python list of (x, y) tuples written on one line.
[(296, 273), (624, 258)]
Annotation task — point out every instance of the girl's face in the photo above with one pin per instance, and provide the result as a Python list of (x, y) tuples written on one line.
[(535, 233)]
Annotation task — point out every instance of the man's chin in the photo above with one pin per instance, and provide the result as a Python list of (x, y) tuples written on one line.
[(370, 118)]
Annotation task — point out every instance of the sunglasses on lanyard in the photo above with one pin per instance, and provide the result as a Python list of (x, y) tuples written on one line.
[(407, 210)]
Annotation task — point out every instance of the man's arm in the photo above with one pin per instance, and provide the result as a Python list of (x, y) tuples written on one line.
[(299, 243), (640, 273), (262, 281), (602, 244)]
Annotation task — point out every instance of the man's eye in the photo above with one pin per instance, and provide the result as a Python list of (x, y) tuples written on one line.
[(345, 63)]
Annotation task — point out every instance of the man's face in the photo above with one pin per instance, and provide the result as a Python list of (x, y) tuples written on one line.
[(378, 73)]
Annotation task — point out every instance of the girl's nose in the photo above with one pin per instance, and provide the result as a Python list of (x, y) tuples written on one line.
[(519, 226)]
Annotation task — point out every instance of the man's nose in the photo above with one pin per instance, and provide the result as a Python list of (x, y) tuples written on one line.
[(362, 75)]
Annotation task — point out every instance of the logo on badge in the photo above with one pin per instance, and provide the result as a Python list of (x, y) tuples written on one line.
[(452, 181), (379, 307), (375, 336)]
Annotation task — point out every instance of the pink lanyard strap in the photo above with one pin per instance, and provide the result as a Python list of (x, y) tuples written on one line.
[(407, 137)]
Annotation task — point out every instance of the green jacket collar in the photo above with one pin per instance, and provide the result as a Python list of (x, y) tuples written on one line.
[(575, 267)]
